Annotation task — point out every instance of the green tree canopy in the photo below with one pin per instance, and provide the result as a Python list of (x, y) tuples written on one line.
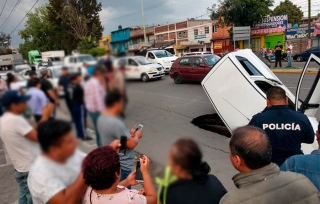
[(287, 7), (86, 44), (243, 12)]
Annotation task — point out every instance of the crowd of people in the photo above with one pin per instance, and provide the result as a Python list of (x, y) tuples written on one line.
[(277, 54), (50, 168)]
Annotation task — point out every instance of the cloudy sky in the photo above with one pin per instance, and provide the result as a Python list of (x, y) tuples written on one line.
[(125, 12)]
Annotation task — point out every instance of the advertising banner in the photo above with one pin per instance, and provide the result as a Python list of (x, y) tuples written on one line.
[(217, 45), (271, 24), (298, 33)]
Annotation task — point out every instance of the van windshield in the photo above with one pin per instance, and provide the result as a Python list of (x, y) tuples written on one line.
[(85, 58), (163, 53)]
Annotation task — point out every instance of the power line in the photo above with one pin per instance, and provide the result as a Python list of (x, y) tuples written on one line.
[(9, 16), (3, 7), (24, 17)]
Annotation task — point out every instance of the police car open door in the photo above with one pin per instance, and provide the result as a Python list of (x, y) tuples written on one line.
[(309, 104)]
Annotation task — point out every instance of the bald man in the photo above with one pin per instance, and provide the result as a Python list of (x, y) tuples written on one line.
[(259, 180), (286, 128)]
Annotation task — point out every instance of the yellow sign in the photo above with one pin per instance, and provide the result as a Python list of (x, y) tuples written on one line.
[(217, 45)]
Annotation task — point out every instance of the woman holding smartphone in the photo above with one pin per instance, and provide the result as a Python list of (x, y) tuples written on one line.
[(101, 171)]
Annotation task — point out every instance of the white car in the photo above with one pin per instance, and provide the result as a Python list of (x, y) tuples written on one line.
[(75, 62), (237, 86), (162, 57), (138, 67), (197, 53), (55, 73)]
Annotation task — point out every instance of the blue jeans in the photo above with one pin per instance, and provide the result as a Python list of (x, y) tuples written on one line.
[(79, 115), (124, 175), (289, 60), (94, 117), (24, 193)]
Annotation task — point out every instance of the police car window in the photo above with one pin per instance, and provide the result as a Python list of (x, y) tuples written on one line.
[(251, 70)]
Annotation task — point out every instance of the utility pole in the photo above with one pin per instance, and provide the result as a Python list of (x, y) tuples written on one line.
[(309, 23), (144, 24)]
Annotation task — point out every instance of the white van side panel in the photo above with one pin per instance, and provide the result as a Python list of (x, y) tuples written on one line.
[(235, 106)]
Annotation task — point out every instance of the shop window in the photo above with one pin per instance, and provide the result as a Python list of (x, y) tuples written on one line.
[(215, 29), (206, 29), (195, 31)]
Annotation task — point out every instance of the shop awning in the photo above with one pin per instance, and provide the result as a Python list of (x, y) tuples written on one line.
[(220, 38), (180, 47)]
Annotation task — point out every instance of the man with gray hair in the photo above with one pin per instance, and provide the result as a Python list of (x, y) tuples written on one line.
[(259, 180)]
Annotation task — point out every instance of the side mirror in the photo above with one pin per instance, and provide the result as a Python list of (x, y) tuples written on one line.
[(202, 65)]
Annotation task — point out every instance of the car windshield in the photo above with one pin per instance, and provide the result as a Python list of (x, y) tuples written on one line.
[(85, 58), (143, 61), (160, 54), (211, 59)]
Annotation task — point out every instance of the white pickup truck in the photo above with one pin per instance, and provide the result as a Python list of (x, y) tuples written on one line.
[(162, 57)]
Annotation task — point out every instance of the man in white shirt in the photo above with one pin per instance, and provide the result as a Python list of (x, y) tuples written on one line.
[(289, 54), (56, 177), (20, 138)]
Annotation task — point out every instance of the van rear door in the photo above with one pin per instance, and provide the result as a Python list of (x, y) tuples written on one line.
[(309, 104)]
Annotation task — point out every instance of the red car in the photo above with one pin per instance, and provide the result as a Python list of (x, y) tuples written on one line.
[(192, 68)]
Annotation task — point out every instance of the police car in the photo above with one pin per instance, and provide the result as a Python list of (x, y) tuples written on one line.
[(237, 86), (139, 67)]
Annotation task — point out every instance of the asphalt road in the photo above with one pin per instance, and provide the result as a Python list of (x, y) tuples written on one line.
[(166, 110)]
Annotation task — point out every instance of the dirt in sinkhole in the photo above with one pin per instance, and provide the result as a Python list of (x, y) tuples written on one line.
[(213, 123)]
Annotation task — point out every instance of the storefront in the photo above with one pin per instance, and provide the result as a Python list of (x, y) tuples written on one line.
[(199, 38), (299, 38)]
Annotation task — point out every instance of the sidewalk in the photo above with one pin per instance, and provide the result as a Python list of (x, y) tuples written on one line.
[(294, 70)]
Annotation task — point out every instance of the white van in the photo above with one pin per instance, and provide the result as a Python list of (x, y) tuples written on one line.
[(75, 62), (237, 86), (138, 67)]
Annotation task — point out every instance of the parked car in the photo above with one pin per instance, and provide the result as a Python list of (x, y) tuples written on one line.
[(138, 67), (304, 56), (192, 68), (197, 53), (237, 86)]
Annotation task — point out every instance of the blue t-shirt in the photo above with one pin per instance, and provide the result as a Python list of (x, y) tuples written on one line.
[(90, 70), (286, 130)]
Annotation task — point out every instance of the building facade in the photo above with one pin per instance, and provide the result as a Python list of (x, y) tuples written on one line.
[(105, 42), (220, 38), (137, 38), (120, 41), (186, 36)]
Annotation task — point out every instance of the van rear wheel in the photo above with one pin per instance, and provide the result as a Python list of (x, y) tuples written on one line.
[(177, 79)]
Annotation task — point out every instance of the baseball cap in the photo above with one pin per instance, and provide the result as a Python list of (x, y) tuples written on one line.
[(65, 68), (11, 97)]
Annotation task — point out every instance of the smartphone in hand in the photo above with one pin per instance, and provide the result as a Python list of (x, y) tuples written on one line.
[(123, 147), (139, 176), (139, 127)]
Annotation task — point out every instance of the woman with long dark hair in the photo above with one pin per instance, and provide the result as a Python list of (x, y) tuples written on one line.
[(193, 183)]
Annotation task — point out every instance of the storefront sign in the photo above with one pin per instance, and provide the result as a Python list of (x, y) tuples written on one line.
[(217, 45), (199, 36), (271, 24), (298, 33)]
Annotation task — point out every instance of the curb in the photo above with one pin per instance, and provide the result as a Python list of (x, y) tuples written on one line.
[(291, 72)]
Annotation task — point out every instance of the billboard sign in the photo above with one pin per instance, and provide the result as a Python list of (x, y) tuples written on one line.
[(271, 24), (199, 36), (298, 33)]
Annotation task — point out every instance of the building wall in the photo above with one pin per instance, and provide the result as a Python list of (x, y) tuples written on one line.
[(105, 42), (120, 35), (220, 38)]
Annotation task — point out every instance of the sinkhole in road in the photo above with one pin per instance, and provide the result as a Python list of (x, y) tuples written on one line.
[(211, 122)]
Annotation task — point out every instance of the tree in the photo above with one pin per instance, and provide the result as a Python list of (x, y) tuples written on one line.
[(38, 33), (86, 44), (287, 7), (243, 12), (4, 40), (97, 51)]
